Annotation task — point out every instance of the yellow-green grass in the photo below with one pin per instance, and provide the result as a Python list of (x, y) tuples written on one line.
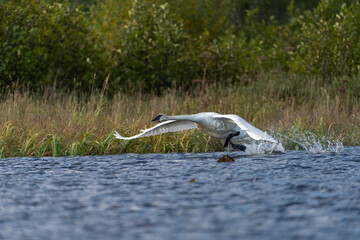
[(58, 123)]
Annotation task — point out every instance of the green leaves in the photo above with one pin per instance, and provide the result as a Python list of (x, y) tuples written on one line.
[(152, 49), (43, 42), (154, 45), (329, 40)]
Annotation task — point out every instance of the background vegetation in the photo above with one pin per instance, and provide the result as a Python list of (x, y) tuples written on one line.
[(72, 124), (271, 58), (153, 45)]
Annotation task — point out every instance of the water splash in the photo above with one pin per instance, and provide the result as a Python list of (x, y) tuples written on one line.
[(313, 143)]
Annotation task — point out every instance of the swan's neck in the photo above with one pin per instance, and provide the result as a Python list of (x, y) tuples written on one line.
[(182, 118)]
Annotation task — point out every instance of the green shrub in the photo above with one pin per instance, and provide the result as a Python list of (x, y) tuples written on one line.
[(329, 40), (236, 57), (152, 53), (203, 16), (150, 46), (107, 18), (47, 44)]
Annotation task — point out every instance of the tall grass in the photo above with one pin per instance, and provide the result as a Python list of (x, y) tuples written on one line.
[(68, 123)]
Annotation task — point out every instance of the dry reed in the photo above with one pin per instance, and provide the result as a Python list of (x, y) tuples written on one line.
[(57, 124)]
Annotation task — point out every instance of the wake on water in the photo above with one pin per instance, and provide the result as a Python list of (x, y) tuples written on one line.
[(263, 147)]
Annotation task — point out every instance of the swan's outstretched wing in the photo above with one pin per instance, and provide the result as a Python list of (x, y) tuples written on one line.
[(167, 126), (252, 131)]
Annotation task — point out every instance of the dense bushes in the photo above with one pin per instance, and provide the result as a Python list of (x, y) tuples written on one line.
[(42, 44), (152, 52), (152, 45), (329, 41)]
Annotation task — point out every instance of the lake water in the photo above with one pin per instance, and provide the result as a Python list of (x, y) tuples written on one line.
[(295, 195)]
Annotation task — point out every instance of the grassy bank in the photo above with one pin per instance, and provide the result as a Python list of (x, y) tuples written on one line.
[(58, 123)]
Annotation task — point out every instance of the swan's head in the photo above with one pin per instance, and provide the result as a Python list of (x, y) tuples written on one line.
[(160, 118)]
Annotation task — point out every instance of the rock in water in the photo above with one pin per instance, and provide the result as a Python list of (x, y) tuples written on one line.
[(226, 158)]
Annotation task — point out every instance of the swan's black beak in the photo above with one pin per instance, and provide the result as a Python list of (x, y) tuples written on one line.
[(157, 118)]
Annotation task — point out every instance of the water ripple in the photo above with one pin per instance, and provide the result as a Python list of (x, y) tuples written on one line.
[(182, 196)]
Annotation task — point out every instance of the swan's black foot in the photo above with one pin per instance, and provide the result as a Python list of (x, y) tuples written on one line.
[(231, 135), (238, 146)]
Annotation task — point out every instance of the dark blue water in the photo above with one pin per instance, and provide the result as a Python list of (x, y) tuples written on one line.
[(295, 195)]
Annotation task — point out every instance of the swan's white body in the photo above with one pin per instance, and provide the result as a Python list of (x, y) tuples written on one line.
[(214, 124)]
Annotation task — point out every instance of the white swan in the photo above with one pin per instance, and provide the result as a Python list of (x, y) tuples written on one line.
[(217, 125)]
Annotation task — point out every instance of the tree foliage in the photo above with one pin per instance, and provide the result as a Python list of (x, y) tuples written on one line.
[(153, 45), (329, 40), (43, 43), (152, 49)]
